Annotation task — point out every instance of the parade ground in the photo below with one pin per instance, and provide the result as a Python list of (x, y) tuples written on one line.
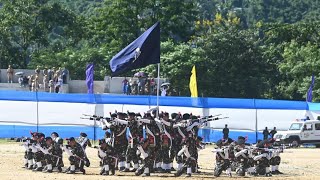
[(301, 163)]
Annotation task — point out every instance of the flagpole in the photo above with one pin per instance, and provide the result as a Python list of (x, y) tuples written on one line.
[(158, 90)]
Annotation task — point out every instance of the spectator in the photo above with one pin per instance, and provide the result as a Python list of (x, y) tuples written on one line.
[(265, 133), (164, 91), (35, 83), (30, 79), (45, 72), (59, 84), (50, 73), (51, 86), (10, 72), (134, 88), (152, 85), (65, 74), (45, 82), (37, 71), (128, 88), (20, 81), (25, 81), (141, 85), (124, 85)]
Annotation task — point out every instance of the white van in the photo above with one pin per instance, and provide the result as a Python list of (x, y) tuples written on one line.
[(300, 132)]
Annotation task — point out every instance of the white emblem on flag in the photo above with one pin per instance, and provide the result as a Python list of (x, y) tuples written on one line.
[(136, 56)]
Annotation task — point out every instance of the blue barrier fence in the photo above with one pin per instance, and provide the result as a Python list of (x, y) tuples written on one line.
[(163, 101), (209, 135)]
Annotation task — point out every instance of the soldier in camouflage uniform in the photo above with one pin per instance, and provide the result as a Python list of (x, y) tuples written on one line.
[(76, 158), (107, 155), (39, 155), (149, 145), (54, 155), (166, 142), (135, 135)]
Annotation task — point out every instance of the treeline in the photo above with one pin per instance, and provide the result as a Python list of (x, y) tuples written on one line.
[(241, 48)]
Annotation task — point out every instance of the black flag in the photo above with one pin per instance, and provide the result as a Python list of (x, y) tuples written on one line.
[(141, 52)]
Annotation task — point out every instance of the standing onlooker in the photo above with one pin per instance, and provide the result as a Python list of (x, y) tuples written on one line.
[(45, 82), (37, 71), (141, 85), (124, 85), (128, 88), (273, 132), (10, 72), (164, 91), (50, 74), (25, 81), (65, 74), (20, 81), (45, 72), (265, 133), (30, 79), (225, 132), (51, 86), (35, 83)]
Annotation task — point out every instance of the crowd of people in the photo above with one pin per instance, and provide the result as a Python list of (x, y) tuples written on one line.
[(48, 79), (146, 86), (167, 138)]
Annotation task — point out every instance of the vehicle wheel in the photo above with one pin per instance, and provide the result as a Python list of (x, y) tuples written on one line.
[(294, 142), (317, 145)]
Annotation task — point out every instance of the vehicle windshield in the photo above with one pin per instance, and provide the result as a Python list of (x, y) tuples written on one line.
[(295, 126)]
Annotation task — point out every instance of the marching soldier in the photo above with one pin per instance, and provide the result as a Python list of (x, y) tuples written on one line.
[(135, 134), (166, 142), (149, 145)]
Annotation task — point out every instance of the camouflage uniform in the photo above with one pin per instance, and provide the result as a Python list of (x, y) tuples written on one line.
[(78, 159), (135, 135), (107, 155)]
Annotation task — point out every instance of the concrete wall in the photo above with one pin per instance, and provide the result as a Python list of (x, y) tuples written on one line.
[(27, 72), (80, 86), (109, 85)]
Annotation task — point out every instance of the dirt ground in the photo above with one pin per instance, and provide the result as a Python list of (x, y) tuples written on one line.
[(298, 164)]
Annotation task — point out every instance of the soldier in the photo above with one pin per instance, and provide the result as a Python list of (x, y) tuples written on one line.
[(10, 72), (135, 134), (83, 140), (55, 137), (76, 158), (225, 132), (273, 132), (265, 133), (107, 155), (166, 142), (120, 140), (38, 155), (54, 155), (149, 145), (190, 152)]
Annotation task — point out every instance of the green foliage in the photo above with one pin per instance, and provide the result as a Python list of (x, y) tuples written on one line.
[(241, 48)]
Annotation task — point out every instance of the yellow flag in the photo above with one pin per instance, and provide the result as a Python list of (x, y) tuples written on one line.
[(193, 83)]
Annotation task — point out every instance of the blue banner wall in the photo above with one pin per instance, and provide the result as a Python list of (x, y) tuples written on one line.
[(52, 104)]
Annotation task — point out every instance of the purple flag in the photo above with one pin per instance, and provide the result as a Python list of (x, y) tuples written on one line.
[(309, 93), (89, 77)]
